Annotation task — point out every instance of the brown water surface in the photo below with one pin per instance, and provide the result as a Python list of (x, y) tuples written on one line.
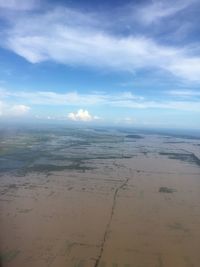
[(114, 215)]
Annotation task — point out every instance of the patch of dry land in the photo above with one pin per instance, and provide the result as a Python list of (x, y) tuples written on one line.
[(99, 198)]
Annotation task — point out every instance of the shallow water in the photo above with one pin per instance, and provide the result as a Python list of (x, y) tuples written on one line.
[(108, 208)]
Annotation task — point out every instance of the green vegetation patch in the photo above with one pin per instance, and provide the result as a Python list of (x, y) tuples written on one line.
[(191, 158), (164, 189), (134, 136), (51, 167), (179, 227), (8, 256)]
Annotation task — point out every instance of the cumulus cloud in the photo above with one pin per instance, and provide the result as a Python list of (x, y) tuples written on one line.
[(75, 39), (81, 115)]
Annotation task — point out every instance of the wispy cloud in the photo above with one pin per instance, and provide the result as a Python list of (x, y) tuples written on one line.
[(19, 5), (77, 39), (126, 100), (157, 10), (53, 98), (184, 93), (67, 99)]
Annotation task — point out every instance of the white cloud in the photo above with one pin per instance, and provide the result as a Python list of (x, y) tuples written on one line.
[(159, 9), (76, 39), (81, 115), (19, 110), (184, 93), (188, 67), (164, 104), (3, 93), (128, 120), (1, 108), (19, 4), (53, 98), (9, 110), (72, 98), (123, 100)]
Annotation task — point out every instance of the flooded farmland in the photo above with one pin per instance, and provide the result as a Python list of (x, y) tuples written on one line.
[(87, 197)]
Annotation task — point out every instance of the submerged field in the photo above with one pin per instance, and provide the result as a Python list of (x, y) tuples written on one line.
[(99, 198)]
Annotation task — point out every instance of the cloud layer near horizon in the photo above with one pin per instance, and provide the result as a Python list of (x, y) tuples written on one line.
[(8, 110), (173, 99)]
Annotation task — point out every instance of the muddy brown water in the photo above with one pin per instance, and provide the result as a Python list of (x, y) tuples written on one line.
[(112, 216)]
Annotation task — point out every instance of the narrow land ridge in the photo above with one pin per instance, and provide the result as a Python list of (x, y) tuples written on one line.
[(109, 222)]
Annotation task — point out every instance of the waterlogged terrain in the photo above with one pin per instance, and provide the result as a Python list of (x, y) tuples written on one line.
[(98, 198)]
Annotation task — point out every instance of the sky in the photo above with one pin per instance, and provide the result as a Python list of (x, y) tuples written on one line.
[(109, 62)]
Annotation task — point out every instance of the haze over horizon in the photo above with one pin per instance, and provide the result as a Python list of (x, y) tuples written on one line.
[(134, 63)]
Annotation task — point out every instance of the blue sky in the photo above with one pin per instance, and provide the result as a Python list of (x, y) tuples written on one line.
[(134, 63)]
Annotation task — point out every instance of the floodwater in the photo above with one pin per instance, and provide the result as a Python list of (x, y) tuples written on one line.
[(99, 199)]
